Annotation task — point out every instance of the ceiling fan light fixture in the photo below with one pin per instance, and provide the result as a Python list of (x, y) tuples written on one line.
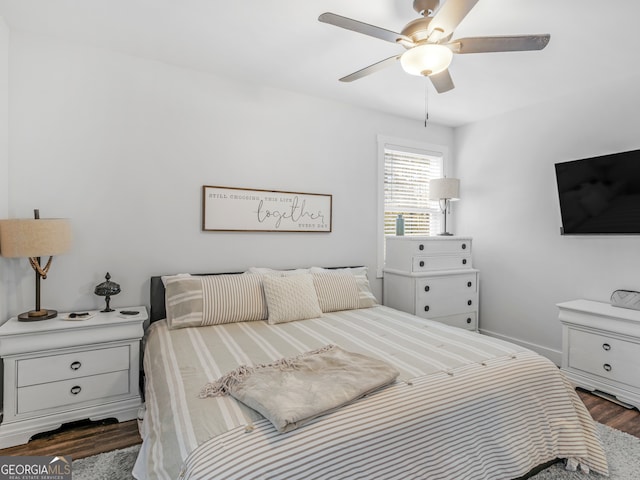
[(427, 59)]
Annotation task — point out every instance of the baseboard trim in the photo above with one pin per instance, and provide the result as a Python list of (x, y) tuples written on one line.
[(554, 355)]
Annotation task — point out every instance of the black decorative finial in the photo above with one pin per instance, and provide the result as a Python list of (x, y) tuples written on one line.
[(106, 289)]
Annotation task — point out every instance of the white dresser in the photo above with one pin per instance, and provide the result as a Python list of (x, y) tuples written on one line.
[(57, 371), (432, 277), (601, 348)]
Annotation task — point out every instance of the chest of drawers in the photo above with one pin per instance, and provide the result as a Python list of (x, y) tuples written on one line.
[(432, 277), (601, 348), (58, 371)]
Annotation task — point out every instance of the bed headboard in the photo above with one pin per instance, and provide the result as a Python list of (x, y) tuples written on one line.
[(156, 298)]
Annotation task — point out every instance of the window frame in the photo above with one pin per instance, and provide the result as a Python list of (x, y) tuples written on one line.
[(409, 146)]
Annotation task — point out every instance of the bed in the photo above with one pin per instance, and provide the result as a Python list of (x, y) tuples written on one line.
[(464, 405)]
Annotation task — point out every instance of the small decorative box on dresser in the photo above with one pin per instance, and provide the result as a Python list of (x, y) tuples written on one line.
[(432, 277), (58, 371), (601, 348)]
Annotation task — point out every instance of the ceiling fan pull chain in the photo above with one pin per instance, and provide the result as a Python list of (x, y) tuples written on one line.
[(426, 103)]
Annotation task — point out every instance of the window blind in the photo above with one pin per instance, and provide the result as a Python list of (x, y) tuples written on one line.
[(406, 191)]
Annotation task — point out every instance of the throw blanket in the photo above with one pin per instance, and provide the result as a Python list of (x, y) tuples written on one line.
[(292, 391)]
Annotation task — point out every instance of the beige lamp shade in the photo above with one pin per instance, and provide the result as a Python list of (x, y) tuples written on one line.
[(34, 238), (444, 188)]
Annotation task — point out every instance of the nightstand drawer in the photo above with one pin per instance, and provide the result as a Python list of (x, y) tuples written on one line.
[(441, 262), (68, 393), (34, 371), (604, 356)]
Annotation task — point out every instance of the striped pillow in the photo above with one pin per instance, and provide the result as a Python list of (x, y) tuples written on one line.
[(214, 300), (366, 298), (183, 301), (291, 298), (336, 291)]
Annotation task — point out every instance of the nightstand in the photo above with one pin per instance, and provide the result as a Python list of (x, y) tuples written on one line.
[(601, 349), (57, 371)]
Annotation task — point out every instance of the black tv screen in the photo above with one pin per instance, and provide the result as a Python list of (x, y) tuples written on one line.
[(600, 195)]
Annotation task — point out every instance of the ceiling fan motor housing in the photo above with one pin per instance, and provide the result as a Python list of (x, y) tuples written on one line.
[(425, 7), (416, 30)]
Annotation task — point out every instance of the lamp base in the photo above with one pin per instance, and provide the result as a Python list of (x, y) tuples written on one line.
[(37, 315), (446, 234)]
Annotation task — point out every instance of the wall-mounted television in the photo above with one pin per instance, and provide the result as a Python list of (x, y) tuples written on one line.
[(600, 195)]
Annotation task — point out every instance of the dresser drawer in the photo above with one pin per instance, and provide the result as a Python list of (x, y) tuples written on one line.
[(468, 321), (449, 305), (437, 246), (604, 356), (67, 393), (83, 363), (442, 262), (430, 287), (401, 252)]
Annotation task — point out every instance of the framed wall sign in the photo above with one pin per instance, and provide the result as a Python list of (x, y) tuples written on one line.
[(245, 210)]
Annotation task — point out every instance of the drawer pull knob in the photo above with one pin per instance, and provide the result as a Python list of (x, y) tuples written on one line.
[(421, 247), (75, 366), (76, 390), (464, 261), (607, 367), (421, 263), (426, 288), (464, 246), (469, 302), (426, 308), (469, 284), (606, 346), (468, 320)]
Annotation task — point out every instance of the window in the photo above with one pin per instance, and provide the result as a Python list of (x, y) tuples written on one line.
[(406, 191), (405, 168)]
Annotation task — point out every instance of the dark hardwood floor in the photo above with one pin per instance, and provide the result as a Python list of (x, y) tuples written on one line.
[(612, 414), (80, 439), (83, 439)]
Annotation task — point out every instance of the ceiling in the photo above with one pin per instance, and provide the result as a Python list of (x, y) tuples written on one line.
[(280, 43)]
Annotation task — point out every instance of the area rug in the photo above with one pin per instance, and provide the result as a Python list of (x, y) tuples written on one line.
[(623, 454)]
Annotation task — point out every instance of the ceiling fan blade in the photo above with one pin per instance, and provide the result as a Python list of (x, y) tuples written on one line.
[(515, 43), (359, 27), (370, 69), (449, 16), (442, 81)]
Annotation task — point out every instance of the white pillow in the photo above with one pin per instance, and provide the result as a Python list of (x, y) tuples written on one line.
[(290, 298)]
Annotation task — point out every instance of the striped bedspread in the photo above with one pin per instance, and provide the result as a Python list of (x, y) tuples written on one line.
[(465, 406)]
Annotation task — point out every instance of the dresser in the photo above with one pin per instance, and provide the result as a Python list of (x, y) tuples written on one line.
[(601, 349), (432, 277), (57, 371)]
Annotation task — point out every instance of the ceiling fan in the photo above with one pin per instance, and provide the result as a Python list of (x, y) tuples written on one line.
[(428, 41)]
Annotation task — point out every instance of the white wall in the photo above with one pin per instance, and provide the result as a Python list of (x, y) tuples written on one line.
[(4, 155), (122, 147), (509, 204)]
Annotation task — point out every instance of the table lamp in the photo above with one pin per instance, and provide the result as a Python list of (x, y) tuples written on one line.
[(34, 238), (444, 190)]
